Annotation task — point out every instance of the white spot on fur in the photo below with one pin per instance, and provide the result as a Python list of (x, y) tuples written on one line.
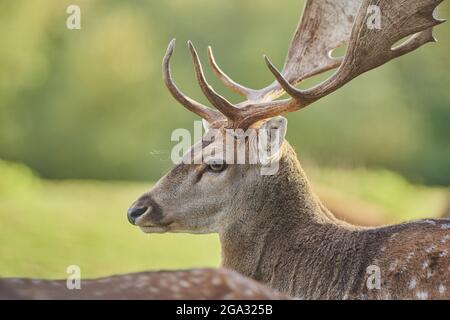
[(197, 280), (185, 284), (429, 274), (443, 253), (383, 249), (153, 289), (425, 264), (393, 265), (445, 238), (410, 255), (430, 249), (442, 288), (197, 272), (412, 284), (422, 295), (445, 226), (428, 221)]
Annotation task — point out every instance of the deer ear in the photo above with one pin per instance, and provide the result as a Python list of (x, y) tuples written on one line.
[(206, 125), (275, 129)]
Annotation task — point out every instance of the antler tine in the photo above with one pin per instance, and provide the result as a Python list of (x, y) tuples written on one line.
[(287, 87), (204, 112), (248, 93), (414, 42), (222, 104), (261, 111), (368, 49)]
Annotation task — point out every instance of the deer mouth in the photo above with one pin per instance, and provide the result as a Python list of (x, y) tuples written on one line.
[(154, 229)]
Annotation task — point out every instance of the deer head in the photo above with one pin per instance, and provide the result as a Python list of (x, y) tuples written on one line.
[(196, 195)]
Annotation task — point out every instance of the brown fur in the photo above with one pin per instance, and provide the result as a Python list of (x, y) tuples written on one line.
[(283, 236), (220, 284)]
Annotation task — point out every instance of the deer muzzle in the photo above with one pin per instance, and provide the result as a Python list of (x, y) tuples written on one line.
[(145, 213)]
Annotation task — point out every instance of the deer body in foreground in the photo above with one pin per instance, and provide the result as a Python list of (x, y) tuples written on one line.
[(272, 227), (215, 284)]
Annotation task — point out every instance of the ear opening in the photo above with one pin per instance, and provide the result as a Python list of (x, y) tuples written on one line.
[(276, 129), (270, 140)]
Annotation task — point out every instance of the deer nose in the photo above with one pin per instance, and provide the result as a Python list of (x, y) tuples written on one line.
[(136, 212)]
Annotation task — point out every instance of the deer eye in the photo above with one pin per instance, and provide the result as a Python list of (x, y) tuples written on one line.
[(216, 165)]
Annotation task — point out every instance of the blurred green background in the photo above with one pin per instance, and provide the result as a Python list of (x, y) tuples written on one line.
[(83, 112)]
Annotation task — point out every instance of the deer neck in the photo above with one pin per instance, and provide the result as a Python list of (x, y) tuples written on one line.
[(282, 235)]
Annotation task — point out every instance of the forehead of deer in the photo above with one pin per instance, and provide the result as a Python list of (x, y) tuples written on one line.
[(237, 130), (228, 135), (214, 140)]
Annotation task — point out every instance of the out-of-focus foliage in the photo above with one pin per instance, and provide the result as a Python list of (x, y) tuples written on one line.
[(44, 230), (17, 181), (401, 200), (48, 226), (90, 103)]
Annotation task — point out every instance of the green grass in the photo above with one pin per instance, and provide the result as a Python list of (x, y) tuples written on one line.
[(46, 226), (56, 224)]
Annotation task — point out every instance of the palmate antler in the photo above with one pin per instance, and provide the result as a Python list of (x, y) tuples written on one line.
[(325, 25)]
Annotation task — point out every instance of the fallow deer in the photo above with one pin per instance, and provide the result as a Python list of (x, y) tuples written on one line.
[(272, 227), (196, 284)]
